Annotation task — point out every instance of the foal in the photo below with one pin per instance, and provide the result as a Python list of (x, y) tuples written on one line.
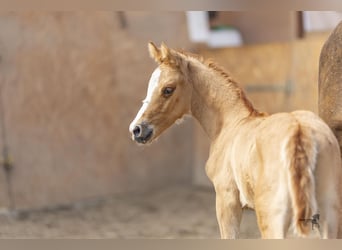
[(286, 166)]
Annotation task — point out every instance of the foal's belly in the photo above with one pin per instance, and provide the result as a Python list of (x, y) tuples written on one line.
[(246, 193), (244, 182), (243, 166)]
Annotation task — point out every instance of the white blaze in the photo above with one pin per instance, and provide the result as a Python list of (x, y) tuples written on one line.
[(152, 85)]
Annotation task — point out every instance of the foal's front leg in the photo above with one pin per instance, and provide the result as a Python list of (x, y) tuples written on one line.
[(228, 212)]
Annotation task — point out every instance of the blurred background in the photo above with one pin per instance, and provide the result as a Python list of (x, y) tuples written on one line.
[(71, 83)]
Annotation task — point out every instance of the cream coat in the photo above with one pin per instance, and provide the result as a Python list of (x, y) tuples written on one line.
[(286, 166)]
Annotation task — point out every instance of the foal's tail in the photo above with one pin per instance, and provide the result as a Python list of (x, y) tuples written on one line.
[(301, 152)]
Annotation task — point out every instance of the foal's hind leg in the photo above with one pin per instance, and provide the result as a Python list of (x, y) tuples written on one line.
[(329, 227), (329, 213), (274, 216), (328, 196), (273, 225)]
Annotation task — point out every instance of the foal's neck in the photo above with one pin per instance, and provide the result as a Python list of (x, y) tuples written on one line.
[(217, 101)]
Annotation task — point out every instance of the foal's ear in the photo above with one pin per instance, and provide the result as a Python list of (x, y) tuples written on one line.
[(154, 52), (165, 52), (162, 55)]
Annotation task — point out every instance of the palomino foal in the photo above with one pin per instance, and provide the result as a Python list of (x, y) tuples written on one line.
[(286, 166)]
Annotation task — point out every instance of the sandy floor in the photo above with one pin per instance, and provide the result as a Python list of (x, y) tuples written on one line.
[(177, 212)]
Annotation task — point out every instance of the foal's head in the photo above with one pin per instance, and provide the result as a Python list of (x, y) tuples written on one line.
[(168, 95)]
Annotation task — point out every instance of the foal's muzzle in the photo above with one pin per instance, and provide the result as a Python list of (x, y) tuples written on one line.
[(142, 133)]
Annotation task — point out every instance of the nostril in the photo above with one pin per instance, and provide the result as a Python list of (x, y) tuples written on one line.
[(137, 131)]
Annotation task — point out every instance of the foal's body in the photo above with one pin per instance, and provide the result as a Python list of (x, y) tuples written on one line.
[(285, 166), (249, 165)]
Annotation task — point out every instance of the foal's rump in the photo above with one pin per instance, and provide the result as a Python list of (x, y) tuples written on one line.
[(313, 164), (308, 153), (324, 169)]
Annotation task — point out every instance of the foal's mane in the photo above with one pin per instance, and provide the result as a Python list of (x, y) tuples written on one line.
[(229, 79), (210, 64)]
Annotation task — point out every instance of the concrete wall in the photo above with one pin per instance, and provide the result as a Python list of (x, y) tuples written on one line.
[(71, 82)]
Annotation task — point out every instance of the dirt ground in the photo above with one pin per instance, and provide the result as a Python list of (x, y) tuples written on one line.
[(173, 212)]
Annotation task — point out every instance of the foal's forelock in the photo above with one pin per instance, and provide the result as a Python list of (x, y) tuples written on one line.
[(152, 86)]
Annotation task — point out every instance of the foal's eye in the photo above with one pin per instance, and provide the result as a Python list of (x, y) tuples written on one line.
[(167, 91)]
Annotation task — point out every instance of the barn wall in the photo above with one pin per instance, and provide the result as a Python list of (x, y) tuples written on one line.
[(71, 84)]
